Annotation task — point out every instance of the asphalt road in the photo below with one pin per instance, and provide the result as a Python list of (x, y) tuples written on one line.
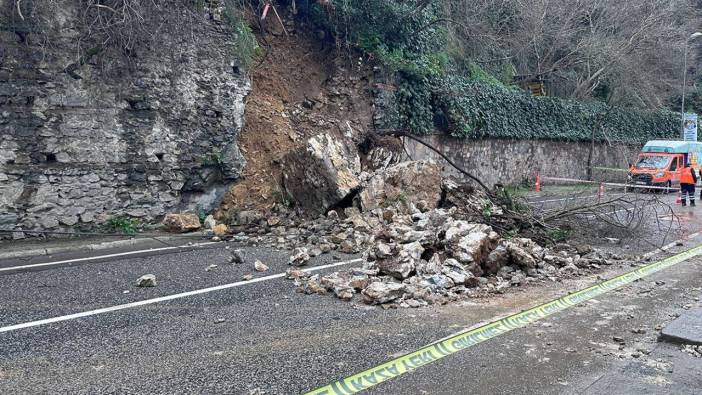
[(265, 338)]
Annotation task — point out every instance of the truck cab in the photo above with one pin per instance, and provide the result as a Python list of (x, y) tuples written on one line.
[(660, 162)]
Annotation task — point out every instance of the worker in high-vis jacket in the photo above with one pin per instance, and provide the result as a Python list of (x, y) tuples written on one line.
[(688, 179)]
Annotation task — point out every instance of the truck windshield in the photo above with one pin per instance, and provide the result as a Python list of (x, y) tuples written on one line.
[(653, 162)]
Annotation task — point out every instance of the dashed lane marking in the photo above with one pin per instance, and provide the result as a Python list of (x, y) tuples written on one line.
[(163, 298)]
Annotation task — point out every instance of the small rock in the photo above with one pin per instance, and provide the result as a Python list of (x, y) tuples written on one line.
[(299, 257), (260, 266), (209, 222), (237, 257), (209, 268), (333, 215), (347, 247), (220, 229), (618, 339), (147, 280), (293, 273), (219, 321), (247, 277)]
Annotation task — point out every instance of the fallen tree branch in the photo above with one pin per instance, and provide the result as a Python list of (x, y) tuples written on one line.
[(443, 156)]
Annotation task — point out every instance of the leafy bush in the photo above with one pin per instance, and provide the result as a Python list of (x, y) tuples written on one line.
[(124, 225)]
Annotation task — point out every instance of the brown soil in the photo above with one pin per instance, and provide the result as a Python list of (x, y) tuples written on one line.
[(303, 87)]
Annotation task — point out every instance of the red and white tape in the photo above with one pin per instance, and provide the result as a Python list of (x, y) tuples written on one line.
[(613, 184)]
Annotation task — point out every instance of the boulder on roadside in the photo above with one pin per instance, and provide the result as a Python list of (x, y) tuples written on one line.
[(469, 242), (524, 253), (404, 263), (497, 258), (321, 174), (381, 292), (181, 223), (408, 182)]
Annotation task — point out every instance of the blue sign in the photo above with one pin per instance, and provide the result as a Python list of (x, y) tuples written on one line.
[(690, 127)]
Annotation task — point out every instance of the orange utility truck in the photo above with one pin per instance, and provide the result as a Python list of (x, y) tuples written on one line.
[(660, 161)]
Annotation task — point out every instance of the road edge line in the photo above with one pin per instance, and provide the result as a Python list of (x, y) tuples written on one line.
[(464, 339)]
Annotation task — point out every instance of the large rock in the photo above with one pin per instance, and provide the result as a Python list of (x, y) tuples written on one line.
[(321, 174), (468, 242), (498, 258), (382, 292), (525, 253), (181, 223), (455, 271), (408, 182), (405, 263)]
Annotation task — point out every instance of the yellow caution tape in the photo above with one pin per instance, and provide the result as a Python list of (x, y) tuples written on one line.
[(435, 351)]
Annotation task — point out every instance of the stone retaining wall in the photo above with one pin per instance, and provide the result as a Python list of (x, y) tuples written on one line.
[(136, 136), (516, 161)]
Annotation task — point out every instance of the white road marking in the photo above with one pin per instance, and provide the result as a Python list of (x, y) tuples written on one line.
[(614, 184), (670, 245), (562, 199), (35, 265), (163, 298)]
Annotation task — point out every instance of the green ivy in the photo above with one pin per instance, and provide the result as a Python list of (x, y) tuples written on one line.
[(436, 90), (477, 110)]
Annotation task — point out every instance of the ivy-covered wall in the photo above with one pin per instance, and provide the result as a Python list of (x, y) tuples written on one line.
[(474, 109)]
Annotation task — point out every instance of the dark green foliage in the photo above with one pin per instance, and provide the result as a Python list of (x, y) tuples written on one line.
[(245, 44), (124, 225), (476, 110), (437, 89)]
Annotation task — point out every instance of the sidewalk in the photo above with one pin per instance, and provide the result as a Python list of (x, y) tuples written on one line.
[(42, 247)]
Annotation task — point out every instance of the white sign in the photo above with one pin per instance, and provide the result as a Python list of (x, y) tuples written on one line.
[(690, 127)]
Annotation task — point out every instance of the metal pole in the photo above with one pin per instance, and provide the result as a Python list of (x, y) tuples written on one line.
[(682, 108)]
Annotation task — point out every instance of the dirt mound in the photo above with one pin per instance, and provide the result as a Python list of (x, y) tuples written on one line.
[(303, 87)]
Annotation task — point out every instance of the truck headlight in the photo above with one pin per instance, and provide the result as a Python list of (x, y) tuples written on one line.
[(659, 175)]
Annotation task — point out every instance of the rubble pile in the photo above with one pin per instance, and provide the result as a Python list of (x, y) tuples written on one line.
[(424, 240), (419, 257)]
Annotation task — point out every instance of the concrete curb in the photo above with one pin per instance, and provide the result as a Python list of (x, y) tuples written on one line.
[(85, 247), (686, 329)]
